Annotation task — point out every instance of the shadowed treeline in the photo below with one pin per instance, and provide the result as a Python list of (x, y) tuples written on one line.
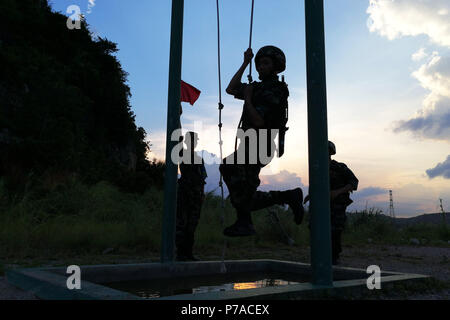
[(64, 106)]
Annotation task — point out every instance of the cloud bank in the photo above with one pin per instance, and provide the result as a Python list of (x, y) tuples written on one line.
[(369, 192), (433, 120), (441, 170), (397, 18)]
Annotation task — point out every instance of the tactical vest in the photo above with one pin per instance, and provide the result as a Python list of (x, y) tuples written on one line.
[(279, 117)]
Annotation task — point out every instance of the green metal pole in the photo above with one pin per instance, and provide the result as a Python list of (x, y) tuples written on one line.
[(319, 185), (173, 123)]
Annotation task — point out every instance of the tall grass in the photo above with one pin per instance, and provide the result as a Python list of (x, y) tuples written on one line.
[(76, 218), (378, 228), (73, 218)]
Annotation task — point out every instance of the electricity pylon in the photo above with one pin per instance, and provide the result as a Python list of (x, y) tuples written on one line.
[(391, 205)]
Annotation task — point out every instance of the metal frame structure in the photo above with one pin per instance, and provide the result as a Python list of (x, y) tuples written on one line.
[(317, 140)]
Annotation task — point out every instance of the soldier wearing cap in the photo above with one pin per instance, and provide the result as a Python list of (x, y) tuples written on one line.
[(190, 198), (342, 183), (265, 107)]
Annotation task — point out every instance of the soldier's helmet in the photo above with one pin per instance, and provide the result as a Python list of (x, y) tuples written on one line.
[(331, 148), (275, 54)]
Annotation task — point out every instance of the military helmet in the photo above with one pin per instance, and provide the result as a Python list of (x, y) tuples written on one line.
[(331, 148), (275, 54)]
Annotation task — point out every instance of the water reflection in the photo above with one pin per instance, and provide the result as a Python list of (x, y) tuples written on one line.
[(261, 284), (156, 289)]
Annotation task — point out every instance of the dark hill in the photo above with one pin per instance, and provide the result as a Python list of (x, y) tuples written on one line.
[(64, 103), (430, 218)]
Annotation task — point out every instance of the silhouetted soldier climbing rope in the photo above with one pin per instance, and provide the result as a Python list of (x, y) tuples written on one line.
[(265, 107)]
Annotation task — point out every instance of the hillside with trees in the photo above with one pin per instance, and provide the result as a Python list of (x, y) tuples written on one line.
[(65, 105)]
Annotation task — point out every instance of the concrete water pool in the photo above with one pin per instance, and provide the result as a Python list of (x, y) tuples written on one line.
[(159, 288), (244, 279)]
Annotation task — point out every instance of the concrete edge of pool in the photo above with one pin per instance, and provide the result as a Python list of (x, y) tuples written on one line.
[(50, 283)]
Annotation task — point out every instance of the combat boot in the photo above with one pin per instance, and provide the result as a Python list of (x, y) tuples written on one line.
[(294, 198)]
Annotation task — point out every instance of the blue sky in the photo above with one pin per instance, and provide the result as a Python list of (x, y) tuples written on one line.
[(373, 84)]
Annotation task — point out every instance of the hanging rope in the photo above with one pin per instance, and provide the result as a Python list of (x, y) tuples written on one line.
[(223, 268), (250, 80), (221, 106)]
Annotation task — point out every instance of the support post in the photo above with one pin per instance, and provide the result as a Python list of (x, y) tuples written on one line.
[(173, 123), (319, 186)]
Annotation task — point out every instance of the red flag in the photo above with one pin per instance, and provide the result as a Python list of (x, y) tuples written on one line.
[(189, 93)]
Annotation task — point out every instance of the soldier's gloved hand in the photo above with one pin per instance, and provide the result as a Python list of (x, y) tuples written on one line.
[(248, 56)]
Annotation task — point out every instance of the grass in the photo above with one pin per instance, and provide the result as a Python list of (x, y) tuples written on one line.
[(380, 229), (72, 219), (80, 219), (75, 223)]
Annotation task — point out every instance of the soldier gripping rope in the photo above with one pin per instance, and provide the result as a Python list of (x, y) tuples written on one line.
[(265, 107), (190, 198), (342, 183)]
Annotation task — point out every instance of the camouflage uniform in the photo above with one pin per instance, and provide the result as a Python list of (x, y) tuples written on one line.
[(340, 176), (189, 203), (269, 99)]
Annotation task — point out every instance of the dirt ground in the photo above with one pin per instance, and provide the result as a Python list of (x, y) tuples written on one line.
[(433, 261)]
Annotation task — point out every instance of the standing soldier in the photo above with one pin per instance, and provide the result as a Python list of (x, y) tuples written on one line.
[(342, 183), (265, 107), (190, 197)]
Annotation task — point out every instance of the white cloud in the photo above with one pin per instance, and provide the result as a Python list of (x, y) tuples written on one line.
[(433, 120), (419, 55), (397, 18), (91, 4)]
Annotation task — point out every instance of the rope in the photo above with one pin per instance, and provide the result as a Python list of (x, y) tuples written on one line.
[(221, 106), (223, 268), (250, 79)]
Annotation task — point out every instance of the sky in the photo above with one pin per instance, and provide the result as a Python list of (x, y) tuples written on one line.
[(388, 82)]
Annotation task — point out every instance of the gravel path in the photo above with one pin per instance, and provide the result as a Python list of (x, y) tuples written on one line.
[(8, 292)]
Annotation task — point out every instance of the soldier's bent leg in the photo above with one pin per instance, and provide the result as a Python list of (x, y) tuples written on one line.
[(336, 248), (242, 182), (181, 223), (293, 198), (193, 218), (338, 219)]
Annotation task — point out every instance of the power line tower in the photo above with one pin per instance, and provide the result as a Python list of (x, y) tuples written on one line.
[(442, 211), (391, 205)]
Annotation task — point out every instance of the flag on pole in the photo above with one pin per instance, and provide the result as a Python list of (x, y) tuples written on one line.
[(189, 93)]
